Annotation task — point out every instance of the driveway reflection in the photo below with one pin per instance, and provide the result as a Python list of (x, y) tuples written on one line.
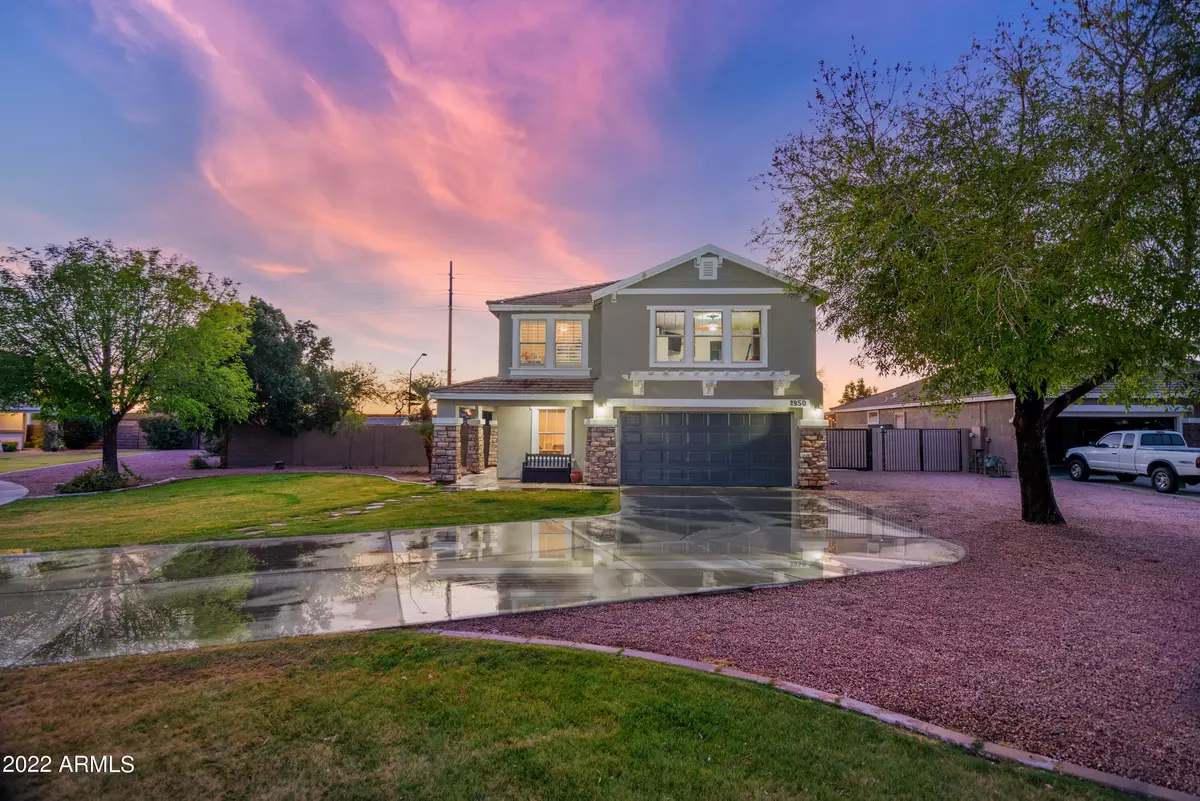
[(61, 607)]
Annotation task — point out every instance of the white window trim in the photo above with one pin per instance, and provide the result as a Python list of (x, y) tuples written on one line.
[(875, 414), (727, 338), (568, 434), (518, 369)]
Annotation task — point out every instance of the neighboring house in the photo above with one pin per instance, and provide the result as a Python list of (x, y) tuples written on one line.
[(1079, 424), (14, 423), (699, 371)]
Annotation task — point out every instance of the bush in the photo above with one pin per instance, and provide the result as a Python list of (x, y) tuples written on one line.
[(51, 438), (79, 432), (165, 433), (97, 479), (9, 447), (199, 462)]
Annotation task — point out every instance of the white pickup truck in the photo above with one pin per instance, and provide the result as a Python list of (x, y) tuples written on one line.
[(1164, 456)]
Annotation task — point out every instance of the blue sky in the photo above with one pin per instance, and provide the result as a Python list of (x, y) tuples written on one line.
[(333, 156)]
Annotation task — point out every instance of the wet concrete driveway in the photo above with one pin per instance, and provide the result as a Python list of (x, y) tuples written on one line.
[(69, 605)]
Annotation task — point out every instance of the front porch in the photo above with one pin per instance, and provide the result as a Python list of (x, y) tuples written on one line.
[(487, 479)]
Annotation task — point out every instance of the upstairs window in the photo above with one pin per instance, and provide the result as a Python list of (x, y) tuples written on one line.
[(747, 336), (709, 337), (568, 343), (668, 336), (532, 345)]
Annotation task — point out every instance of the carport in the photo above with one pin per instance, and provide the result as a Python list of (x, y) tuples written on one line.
[(1082, 425)]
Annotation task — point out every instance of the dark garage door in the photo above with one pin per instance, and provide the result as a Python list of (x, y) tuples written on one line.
[(706, 449)]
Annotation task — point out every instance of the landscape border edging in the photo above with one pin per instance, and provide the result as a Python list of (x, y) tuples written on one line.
[(989, 750)]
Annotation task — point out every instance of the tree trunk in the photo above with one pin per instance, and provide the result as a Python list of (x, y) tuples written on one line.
[(109, 448), (1033, 464), (224, 461)]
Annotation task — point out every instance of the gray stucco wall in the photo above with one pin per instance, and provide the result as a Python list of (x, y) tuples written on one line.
[(790, 345), (505, 323), (686, 276)]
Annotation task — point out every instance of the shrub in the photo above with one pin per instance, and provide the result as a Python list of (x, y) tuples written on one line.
[(199, 462), (9, 447), (79, 432), (97, 479), (165, 433)]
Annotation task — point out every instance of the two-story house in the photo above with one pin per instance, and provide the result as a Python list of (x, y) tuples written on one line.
[(700, 371)]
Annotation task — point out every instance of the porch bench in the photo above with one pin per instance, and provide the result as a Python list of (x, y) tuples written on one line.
[(548, 468)]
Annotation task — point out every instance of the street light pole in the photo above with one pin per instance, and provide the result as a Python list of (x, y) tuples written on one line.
[(409, 399)]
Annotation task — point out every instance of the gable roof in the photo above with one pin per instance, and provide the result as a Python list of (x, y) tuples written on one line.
[(558, 297), (617, 286), (584, 295), (904, 394)]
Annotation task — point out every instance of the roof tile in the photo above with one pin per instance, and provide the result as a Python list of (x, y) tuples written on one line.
[(558, 297), (493, 385)]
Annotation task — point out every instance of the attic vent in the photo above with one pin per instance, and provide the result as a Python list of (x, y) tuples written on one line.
[(708, 267)]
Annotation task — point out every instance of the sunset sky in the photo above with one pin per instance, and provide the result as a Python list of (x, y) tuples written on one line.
[(333, 155)]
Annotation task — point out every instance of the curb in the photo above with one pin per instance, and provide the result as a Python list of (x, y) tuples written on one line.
[(993, 751)]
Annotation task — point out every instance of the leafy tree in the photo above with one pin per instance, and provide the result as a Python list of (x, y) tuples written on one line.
[(80, 432), (88, 329), (855, 390), (405, 395), (280, 362), (296, 386), (1024, 223)]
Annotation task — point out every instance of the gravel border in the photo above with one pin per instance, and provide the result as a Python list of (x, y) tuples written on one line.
[(990, 750), (1074, 641)]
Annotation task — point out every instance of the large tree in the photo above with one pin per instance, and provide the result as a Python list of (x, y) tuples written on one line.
[(296, 384), (856, 390), (1025, 222), (93, 330)]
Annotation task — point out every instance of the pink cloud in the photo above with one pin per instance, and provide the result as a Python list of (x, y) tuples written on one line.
[(488, 106), (278, 270)]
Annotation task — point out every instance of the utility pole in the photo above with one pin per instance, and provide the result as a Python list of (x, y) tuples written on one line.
[(450, 330)]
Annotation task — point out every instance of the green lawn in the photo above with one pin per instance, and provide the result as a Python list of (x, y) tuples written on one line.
[(11, 462), (215, 508), (399, 714)]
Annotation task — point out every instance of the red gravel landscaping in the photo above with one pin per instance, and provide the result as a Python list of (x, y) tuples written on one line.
[(174, 464), (1080, 642)]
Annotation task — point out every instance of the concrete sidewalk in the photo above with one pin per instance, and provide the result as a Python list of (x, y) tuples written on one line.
[(10, 492)]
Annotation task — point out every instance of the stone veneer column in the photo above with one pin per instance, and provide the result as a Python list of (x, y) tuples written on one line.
[(493, 443), (600, 460), (473, 446), (446, 468), (812, 466)]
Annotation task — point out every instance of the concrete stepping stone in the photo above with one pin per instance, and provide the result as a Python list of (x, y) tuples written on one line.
[(277, 525), (255, 531)]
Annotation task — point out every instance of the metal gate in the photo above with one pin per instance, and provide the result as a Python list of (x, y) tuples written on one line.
[(922, 449), (848, 448)]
